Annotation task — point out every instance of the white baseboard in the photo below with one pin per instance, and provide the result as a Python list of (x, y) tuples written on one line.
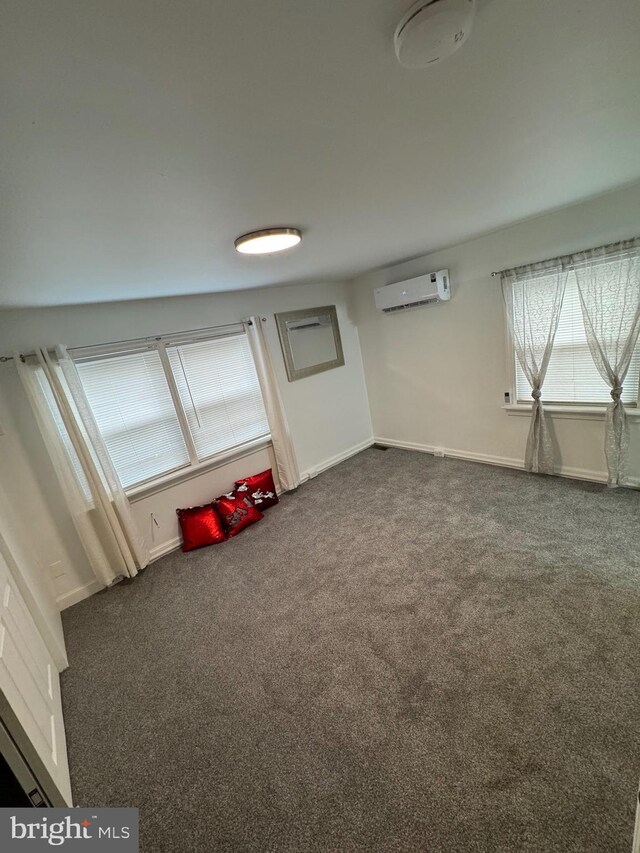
[(335, 460), (502, 461), (164, 548), (72, 597)]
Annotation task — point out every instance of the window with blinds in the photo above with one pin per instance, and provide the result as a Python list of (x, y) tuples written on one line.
[(572, 376), (131, 402), (173, 405), (219, 393)]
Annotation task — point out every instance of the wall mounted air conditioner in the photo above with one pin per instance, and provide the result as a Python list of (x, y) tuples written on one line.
[(423, 290)]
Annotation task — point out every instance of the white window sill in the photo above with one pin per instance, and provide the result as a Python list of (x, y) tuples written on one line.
[(145, 490), (576, 413)]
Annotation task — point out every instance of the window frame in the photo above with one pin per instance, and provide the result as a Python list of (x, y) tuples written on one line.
[(195, 466), (569, 408)]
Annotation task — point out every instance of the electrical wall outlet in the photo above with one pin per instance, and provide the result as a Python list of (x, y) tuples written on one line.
[(58, 569)]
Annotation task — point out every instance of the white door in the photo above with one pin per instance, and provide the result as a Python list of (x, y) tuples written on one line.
[(30, 692)]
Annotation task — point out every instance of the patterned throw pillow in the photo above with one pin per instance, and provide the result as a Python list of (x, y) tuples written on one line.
[(237, 512), (200, 526), (260, 488)]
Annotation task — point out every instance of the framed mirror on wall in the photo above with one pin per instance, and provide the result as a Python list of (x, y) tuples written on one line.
[(310, 340)]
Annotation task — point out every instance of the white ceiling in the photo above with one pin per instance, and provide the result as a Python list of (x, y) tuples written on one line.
[(139, 137)]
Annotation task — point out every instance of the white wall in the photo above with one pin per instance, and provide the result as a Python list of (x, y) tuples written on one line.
[(328, 414), (436, 376)]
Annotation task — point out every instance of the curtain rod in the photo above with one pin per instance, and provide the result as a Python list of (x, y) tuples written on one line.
[(4, 358), (609, 247)]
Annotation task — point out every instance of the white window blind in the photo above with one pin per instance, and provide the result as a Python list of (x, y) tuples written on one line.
[(572, 376), (131, 402), (219, 391), (174, 404)]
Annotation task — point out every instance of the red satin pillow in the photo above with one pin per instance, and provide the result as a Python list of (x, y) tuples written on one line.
[(200, 526), (260, 488), (237, 512)]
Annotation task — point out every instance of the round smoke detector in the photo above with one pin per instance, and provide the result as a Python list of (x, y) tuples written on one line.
[(431, 30)]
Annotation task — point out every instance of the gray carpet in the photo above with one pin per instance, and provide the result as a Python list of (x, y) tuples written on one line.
[(408, 654)]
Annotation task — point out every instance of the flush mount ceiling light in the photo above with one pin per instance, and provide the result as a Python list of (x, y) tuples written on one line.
[(268, 241)]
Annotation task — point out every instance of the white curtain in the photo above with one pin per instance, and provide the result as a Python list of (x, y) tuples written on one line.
[(286, 463), (88, 481), (609, 286), (533, 296)]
